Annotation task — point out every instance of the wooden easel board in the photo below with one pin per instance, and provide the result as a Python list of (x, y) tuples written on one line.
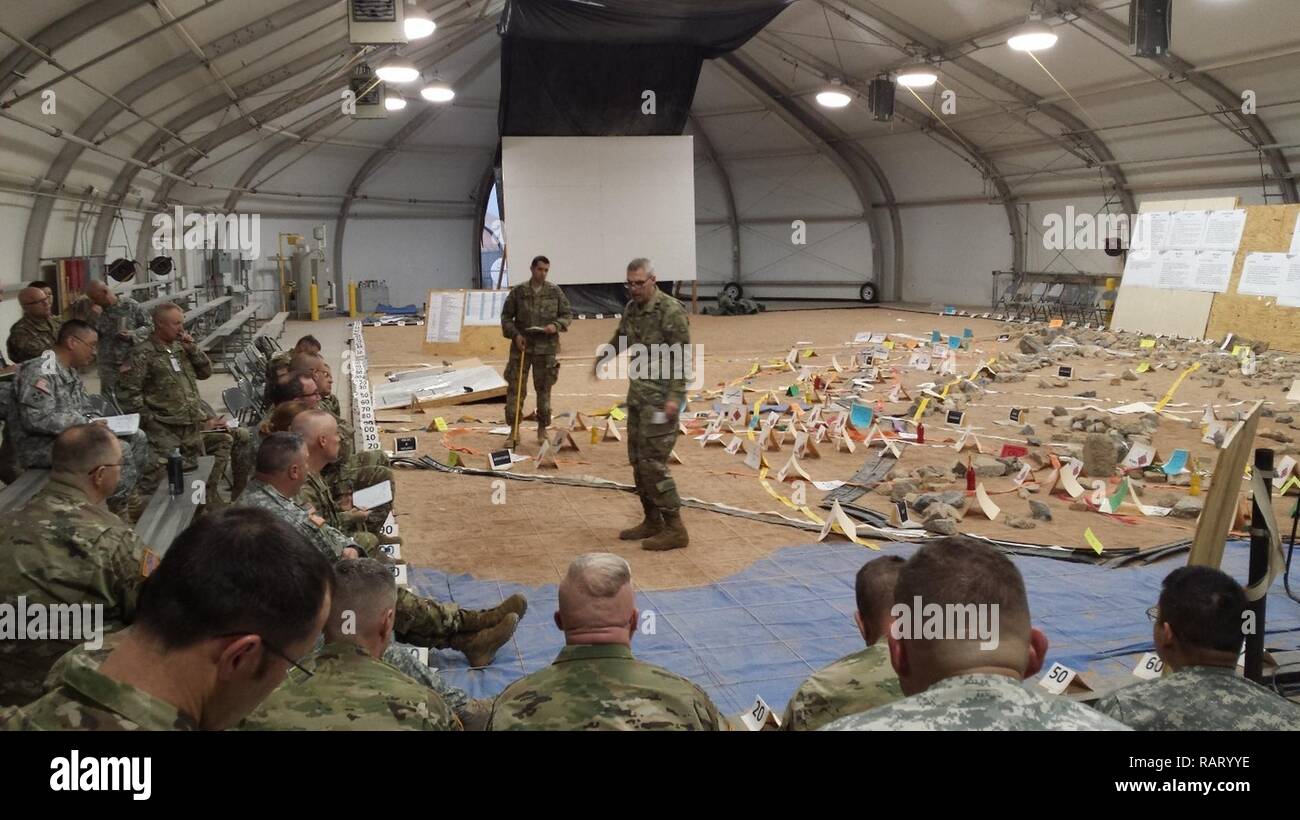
[(477, 339), (1268, 230)]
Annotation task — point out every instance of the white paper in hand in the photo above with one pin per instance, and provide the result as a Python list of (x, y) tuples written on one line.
[(372, 497), (124, 425)]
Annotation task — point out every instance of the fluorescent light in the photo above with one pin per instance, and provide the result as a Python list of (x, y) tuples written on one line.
[(1032, 36), (398, 73), (394, 102), (833, 98), (917, 75), (417, 27), (437, 92)]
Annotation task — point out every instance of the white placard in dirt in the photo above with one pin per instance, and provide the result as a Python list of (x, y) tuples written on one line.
[(1149, 667), (1057, 678)]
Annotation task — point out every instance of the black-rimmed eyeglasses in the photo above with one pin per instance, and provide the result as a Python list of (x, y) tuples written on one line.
[(274, 650)]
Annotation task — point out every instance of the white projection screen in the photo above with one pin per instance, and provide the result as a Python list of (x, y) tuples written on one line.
[(593, 204)]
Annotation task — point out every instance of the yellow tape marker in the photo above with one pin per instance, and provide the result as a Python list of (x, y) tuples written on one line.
[(1169, 395), (440, 424), (1093, 540), (1144, 367), (920, 409), (1147, 343)]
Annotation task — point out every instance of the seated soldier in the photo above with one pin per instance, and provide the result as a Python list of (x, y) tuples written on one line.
[(354, 469), (283, 466), (307, 344), (49, 397), (65, 547), (864, 679), (1198, 634), (970, 678), (349, 687), (595, 683), (237, 598)]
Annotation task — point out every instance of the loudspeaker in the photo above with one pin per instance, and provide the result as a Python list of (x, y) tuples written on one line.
[(1150, 27), (880, 99)]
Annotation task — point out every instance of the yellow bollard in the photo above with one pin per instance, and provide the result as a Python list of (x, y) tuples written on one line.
[(352, 300), (315, 308)]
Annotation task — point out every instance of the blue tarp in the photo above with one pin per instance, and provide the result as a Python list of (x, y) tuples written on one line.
[(765, 629)]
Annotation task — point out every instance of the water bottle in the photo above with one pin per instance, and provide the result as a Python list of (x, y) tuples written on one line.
[(176, 473)]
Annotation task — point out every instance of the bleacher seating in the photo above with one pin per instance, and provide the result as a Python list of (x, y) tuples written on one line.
[(15, 495), (165, 516)]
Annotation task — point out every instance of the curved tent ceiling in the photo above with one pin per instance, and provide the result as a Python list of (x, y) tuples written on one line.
[(235, 104)]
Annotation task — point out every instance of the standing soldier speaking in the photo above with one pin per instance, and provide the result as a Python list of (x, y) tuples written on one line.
[(654, 400), (534, 314)]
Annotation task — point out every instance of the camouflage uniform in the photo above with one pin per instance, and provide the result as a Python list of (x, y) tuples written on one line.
[(852, 684), (61, 549), (397, 655), (356, 470), (160, 382), (50, 398), (351, 691), (1201, 698), (729, 305), (400, 656), (124, 314), (527, 307), (979, 702), (30, 337), (603, 687), (87, 700), (660, 322), (420, 621)]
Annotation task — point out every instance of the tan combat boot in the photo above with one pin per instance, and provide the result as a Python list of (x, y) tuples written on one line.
[(673, 537), (474, 620), (481, 647), (651, 525)]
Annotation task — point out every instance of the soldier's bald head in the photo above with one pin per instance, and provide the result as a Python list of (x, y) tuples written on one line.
[(597, 604), (81, 448), (33, 300), (98, 291), (313, 424)]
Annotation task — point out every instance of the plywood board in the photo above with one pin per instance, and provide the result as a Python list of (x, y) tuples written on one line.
[(1268, 230), (1221, 502), (1182, 313), (439, 389)]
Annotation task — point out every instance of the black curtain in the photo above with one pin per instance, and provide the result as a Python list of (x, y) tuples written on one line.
[(574, 68)]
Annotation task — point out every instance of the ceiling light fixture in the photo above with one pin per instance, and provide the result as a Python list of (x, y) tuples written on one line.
[(397, 72), (394, 102), (437, 92), (417, 24), (917, 75), (1034, 35), (834, 96)]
